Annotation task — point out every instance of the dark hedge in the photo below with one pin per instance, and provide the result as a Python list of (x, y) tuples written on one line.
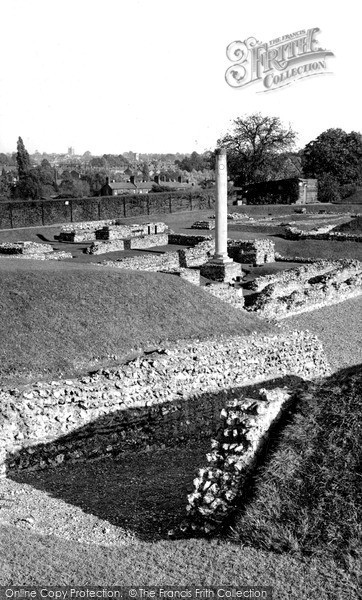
[(50, 212)]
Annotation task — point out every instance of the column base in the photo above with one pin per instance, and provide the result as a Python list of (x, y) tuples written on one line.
[(218, 270)]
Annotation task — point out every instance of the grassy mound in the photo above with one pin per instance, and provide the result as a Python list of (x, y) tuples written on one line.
[(308, 497), (65, 318), (354, 226)]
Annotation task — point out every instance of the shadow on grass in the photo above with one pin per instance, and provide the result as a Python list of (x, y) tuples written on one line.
[(142, 491), (43, 238)]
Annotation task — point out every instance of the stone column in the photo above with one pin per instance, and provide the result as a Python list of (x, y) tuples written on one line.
[(221, 226), (221, 267)]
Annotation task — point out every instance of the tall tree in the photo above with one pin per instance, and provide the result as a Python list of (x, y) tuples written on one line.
[(22, 159), (145, 171), (252, 146)]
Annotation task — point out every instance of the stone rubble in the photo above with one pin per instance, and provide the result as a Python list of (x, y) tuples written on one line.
[(242, 432), (323, 233), (147, 241), (257, 252), (108, 230), (112, 232), (31, 250), (297, 275), (182, 239), (203, 225), (135, 243), (286, 298), (196, 255), (24, 248), (115, 245)]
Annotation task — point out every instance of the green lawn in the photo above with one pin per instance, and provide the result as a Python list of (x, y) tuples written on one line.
[(67, 318), (307, 498), (28, 559)]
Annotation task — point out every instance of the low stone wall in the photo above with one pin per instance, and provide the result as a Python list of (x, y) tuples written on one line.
[(76, 236), (83, 231), (280, 300), (203, 225), (241, 435), (236, 217), (31, 250), (296, 275), (296, 259), (293, 233), (107, 230), (157, 262), (86, 225), (227, 293), (196, 255), (58, 255), (182, 239), (147, 241), (107, 246), (241, 251), (257, 252), (24, 248), (115, 232), (162, 398)]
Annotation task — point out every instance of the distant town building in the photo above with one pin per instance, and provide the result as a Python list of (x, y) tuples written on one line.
[(136, 186), (71, 151)]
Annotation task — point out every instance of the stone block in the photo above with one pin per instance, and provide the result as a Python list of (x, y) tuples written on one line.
[(216, 271)]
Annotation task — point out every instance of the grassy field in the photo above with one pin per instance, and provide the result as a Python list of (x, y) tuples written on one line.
[(106, 523), (307, 497), (65, 318)]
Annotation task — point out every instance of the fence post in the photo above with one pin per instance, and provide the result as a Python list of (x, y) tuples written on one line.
[(190, 201), (11, 215), (42, 214), (170, 203)]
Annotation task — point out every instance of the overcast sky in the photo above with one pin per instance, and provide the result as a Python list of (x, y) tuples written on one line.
[(149, 75)]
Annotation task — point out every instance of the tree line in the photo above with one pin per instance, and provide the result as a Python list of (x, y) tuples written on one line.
[(259, 148)]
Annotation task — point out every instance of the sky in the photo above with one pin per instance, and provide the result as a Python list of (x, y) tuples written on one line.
[(111, 76)]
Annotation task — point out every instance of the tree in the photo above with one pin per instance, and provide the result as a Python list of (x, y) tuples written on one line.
[(336, 153), (6, 184), (145, 171), (98, 161), (30, 185), (194, 162), (30, 181), (22, 159), (96, 180), (74, 188), (253, 145), (328, 189)]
